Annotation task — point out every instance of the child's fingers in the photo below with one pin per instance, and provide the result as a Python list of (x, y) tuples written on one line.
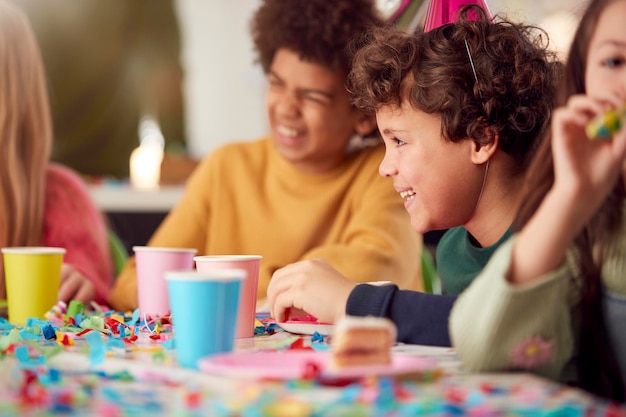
[(285, 280), (86, 292), (281, 306), (619, 144), (69, 286), (74, 286), (585, 105), (578, 113), (66, 272), (288, 304), (276, 286), (277, 310), (567, 120)]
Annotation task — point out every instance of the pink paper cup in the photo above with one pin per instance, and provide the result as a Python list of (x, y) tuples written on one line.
[(152, 263), (247, 300)]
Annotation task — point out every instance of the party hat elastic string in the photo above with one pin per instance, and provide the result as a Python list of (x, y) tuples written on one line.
[(469, 55)]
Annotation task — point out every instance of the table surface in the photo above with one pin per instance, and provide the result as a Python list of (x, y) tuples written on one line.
[(125, 198), (140, 377)]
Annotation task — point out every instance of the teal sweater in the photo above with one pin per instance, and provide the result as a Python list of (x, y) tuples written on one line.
[(459, 260)]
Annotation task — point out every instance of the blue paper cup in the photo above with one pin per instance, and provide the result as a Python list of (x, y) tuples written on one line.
[(204, 312)]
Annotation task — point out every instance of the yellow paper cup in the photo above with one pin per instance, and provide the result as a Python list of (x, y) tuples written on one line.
[(32, 276)]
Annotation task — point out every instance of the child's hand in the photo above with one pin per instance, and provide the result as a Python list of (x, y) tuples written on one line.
[(585, 172), (75, 286), (312, 286), (586, 169)]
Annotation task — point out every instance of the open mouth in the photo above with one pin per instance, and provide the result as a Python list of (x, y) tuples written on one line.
[(407, 195), (286, 131)]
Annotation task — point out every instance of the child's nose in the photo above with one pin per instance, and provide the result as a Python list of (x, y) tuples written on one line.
[(387, 168), (288, 105)]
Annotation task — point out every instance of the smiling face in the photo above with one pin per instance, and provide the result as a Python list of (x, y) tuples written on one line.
[(605, 76), (310, 113), (437, 178)]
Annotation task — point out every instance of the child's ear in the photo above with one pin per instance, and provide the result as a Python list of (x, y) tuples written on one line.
[(365, 124), (482, 152)]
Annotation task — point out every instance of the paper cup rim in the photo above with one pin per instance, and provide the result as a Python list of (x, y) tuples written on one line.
[(221, 275), (163, 249), (221, 258), (36, 250)]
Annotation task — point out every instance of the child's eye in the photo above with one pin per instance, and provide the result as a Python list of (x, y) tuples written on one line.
[(398, 142), (314, 98), (273, 80), (613, 62)]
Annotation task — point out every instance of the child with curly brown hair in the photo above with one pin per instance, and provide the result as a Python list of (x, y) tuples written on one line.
[(311, 188), (461, 109)]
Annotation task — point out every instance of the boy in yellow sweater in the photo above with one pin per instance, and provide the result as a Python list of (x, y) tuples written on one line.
[(311, 189)]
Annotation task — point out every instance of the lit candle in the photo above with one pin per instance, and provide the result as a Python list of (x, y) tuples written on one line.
[(145, 166), (145, 161)]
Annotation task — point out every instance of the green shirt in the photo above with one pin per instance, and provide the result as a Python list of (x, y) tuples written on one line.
[(459, 260)]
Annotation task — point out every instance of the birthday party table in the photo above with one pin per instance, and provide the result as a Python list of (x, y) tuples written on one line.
[(112, 364)]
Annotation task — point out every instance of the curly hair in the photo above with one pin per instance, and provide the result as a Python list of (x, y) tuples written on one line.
[(317, 30), (511, 93)]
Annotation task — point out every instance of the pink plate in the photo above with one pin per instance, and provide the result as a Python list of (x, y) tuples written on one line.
[(304, 327), (291, 364), (306, 324)]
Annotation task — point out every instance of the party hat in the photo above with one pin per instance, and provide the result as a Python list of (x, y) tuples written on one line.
[(441, 12)]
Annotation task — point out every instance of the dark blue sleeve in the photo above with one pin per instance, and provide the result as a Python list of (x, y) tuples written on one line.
[(421, 318)]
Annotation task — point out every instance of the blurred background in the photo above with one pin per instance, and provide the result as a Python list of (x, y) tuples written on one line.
[(180, 74)]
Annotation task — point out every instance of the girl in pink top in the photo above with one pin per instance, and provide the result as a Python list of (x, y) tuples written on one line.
[(42, 204)]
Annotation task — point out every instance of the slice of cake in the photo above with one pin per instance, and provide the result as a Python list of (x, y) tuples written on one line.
[(362, 341)]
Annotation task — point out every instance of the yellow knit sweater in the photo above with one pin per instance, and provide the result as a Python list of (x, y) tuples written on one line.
[(246, 199)]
